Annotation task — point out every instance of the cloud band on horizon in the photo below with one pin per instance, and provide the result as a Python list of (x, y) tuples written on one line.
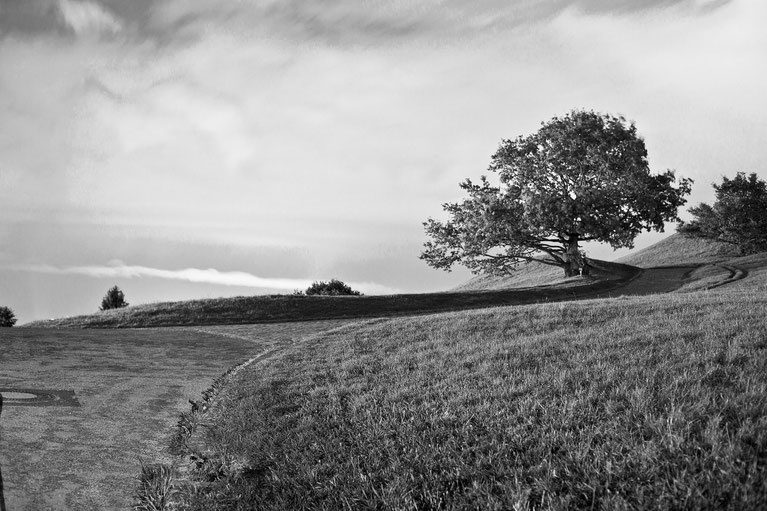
[(195, 275)]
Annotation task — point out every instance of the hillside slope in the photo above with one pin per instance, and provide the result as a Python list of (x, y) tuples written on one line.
[(528, 275), (676, 263), (650, 402), (283, 308), (675, 250), (678, 250)]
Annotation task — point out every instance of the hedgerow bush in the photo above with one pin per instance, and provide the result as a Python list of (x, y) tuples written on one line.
[(333, 288)]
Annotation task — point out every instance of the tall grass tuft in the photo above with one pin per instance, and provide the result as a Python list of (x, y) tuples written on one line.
[(157, 490)]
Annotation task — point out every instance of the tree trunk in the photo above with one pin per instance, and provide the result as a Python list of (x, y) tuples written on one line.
[(573, 260)]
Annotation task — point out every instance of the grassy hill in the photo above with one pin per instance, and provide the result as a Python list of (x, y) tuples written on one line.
[(647, 402), (280, 308), (533, 284), (636, 401), (673, 250), (681, 250)]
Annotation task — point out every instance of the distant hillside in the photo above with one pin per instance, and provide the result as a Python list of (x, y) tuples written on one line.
[(283, 308), (679, 250), (534, 283)]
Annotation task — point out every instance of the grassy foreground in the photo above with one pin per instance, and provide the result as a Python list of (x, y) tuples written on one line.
[(655, 402)]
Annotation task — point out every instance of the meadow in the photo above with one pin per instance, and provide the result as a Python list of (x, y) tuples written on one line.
[(644, 402)]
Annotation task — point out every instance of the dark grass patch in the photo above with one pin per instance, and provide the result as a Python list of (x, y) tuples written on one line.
[(38, 397)]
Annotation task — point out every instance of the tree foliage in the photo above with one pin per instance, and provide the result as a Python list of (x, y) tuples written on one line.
[(738, 216), (582, 177), (333, 288), (114, 299), (7, 317)]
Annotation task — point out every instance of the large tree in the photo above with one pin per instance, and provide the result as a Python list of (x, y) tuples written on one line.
[(582, 177), (738, 216)]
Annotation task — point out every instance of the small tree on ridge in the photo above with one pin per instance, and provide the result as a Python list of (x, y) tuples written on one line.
[(114, 299)]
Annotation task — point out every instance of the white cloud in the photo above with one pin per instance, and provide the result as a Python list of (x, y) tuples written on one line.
[(85, 17), (116, 269)]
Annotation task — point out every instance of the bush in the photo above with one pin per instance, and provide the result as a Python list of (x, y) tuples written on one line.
[(114, 299), (333, 288), (7, 317)]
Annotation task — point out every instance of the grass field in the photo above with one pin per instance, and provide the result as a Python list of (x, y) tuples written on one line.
[(648, 402)]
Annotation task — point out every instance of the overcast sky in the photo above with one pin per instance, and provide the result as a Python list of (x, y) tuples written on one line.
[(191, 148)]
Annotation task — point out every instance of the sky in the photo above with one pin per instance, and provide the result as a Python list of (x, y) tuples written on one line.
[(189, 149)]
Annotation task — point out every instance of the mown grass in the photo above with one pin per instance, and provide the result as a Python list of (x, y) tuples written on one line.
[(653, 402)]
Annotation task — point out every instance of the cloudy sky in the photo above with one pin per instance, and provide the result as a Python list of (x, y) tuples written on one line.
[(190, 148)]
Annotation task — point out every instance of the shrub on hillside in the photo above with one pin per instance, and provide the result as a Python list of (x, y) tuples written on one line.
[(333, 288), (7, 317), (114, 299)]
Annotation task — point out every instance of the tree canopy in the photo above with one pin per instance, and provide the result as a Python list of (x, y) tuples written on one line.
[(114, 299), (738, 216), (582, 177)]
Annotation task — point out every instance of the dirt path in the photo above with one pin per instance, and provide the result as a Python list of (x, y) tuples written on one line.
[(131, 386)]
